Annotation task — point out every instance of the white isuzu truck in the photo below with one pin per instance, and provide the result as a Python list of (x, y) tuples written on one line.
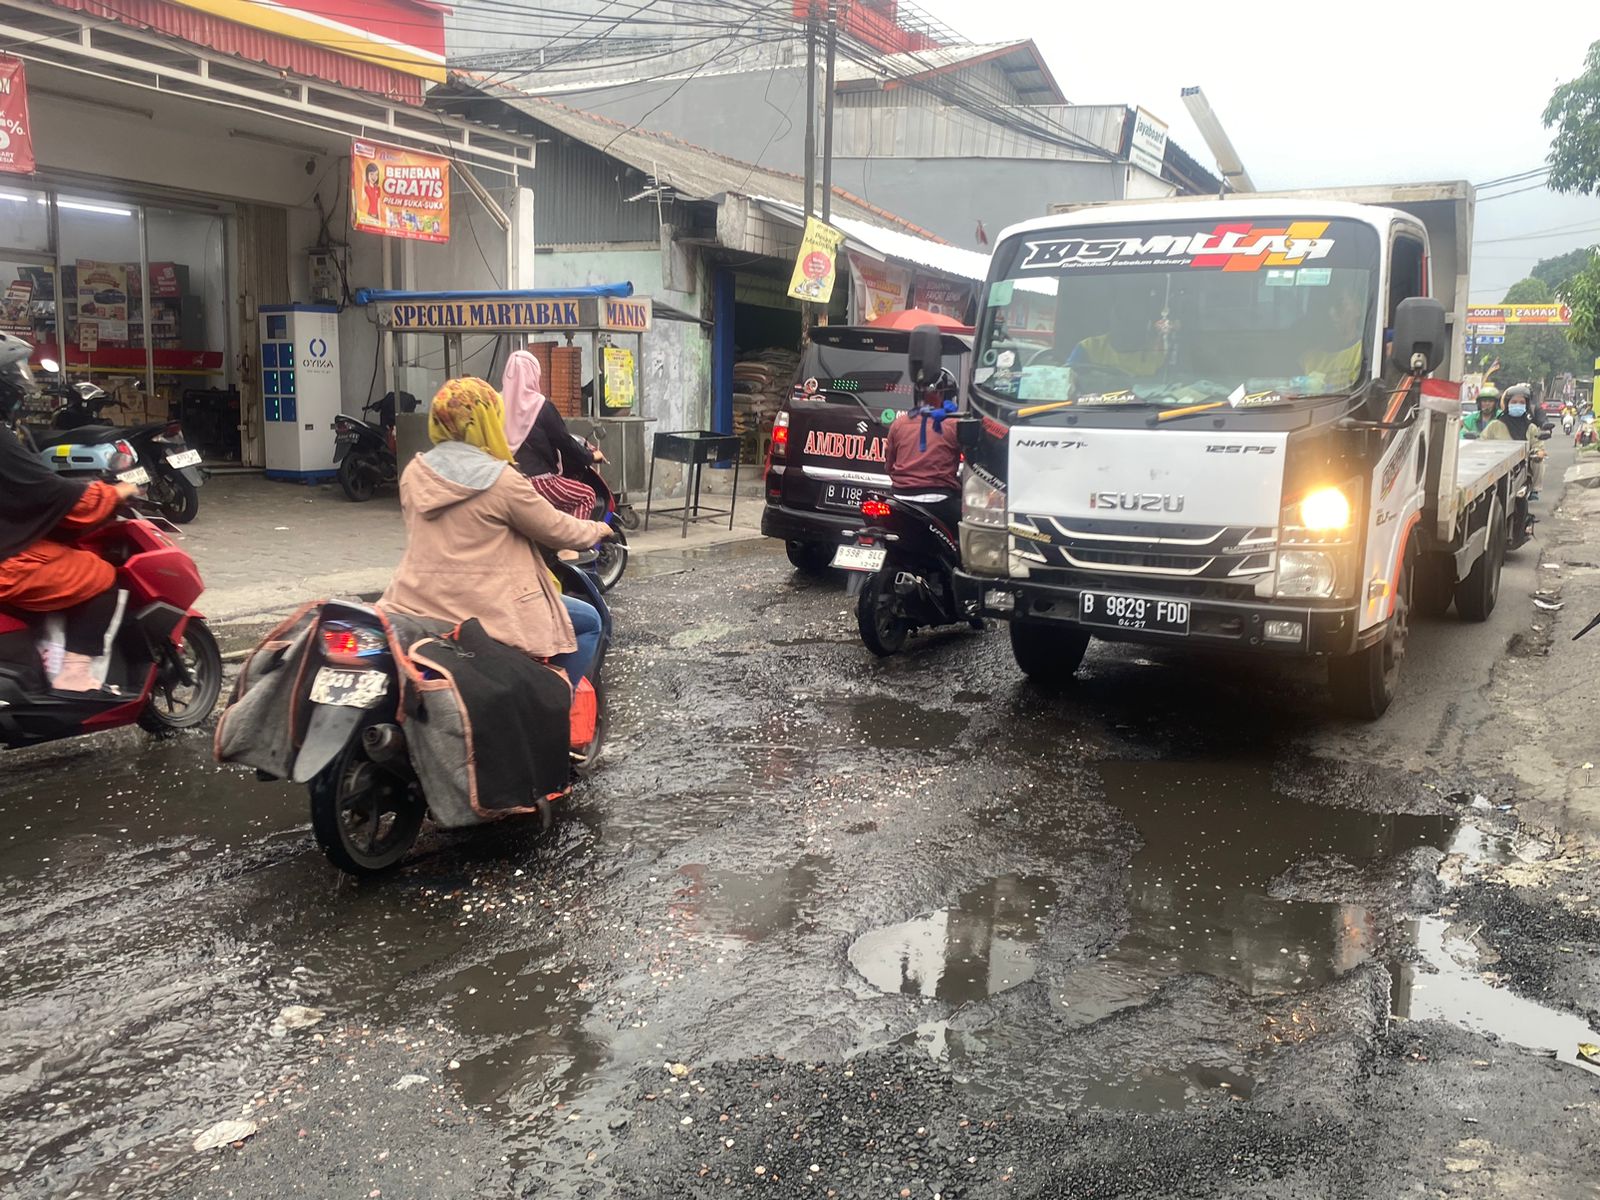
[(1216, 423)]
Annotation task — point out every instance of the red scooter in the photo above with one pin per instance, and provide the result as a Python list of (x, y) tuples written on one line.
[(162, 659)]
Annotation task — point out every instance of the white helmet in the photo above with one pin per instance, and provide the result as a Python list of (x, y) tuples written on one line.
[(16, 379)]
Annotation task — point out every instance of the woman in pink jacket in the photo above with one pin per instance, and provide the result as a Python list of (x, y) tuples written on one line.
[(473, 527)]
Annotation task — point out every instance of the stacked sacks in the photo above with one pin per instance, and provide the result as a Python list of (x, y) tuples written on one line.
[(761, 383)]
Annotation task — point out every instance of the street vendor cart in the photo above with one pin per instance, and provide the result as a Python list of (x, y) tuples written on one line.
[(601, 329)]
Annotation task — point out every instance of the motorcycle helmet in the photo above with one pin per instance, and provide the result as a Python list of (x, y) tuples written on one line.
[(16, 378)]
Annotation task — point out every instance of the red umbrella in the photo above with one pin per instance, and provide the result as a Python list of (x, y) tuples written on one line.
[(910, 318)]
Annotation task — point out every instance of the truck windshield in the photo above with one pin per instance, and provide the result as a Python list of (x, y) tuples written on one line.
[(1176, 313)]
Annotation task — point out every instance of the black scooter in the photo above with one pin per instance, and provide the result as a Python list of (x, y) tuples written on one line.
[(158, 446), (905, 558), (365, 450)]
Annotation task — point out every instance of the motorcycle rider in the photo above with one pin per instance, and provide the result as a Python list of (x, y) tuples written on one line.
[(924, 463), (1517, 424), (40, 513), (473, 523), (1488, 402)]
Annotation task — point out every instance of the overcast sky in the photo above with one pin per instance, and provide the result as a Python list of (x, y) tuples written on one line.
[(1314, 96)]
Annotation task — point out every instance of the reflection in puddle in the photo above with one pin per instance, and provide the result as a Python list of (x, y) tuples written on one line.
[(1213, 840), (978, 947), (750, 908), (883, 722)]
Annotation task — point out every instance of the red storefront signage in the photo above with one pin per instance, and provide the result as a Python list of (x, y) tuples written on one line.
[(16, 134)]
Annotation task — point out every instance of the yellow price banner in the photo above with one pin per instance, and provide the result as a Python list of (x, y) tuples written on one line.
[(816, 265)]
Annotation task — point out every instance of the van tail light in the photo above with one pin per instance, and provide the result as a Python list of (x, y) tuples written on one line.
[(778, 447), (876, 509)]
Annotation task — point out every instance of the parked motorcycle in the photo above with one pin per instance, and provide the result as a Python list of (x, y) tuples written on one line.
[(365, 450), (81, 443), (374, 713), (161, 655)]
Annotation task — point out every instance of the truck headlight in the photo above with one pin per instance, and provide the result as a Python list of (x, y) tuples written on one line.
[(1323, 516), (985, 551), (1306, 574), (982, 503)]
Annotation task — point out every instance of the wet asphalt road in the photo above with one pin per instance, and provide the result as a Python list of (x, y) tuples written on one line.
[(822, 926)]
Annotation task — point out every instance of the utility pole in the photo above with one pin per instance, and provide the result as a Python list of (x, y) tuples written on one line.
[(827, 115), (811, 109)]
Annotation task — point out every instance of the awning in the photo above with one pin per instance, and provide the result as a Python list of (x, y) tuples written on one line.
[(380, 296), (880, 243)]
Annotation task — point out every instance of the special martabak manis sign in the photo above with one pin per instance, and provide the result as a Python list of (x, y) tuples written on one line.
[(511, 315)]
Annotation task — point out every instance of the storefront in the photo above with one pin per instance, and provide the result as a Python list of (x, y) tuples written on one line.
[(193, 168)]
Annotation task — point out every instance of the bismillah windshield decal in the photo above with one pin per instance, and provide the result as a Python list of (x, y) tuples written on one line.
[(1236, 246)]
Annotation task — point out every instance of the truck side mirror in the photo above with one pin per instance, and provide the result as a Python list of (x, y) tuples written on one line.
[(1419, 332), (925, 356)]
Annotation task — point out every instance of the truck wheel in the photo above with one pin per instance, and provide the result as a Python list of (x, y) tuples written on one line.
[(1477, 593), (810, 558), (1047, 653), (1434, 586), (1364, 683)]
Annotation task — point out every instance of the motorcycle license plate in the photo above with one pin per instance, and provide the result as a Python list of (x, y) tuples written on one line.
[(1134, 612), (348, 689), (138, 476), (184, 458), (859, 558)]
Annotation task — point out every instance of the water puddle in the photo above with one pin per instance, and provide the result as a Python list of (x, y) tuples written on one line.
[(882, 722), (1233, 882), (745, 907), (980, 946)]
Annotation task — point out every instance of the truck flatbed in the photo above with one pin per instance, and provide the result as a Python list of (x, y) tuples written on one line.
[(1482, 464)]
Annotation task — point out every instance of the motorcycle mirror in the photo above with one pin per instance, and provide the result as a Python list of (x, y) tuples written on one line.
[(50, 364), (1592, 623)]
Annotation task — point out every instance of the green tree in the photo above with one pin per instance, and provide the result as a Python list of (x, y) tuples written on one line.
[(1574, 111), (1556, 271)]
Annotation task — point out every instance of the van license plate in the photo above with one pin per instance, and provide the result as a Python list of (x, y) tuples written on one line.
[(843, 495), (348, 689), (859, 558), (1144, 613)]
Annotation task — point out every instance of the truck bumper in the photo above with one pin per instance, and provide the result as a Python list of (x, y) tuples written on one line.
[(1213, 624)]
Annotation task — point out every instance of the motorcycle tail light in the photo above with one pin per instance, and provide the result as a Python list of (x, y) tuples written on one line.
[(874, 508), (352, 641), (124, 448)]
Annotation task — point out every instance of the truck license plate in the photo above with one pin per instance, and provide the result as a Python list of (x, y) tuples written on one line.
[(859, 558), (1143, 613), (184, 458), (348, 689)]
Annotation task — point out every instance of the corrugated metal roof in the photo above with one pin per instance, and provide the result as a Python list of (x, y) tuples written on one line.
[(254, 45), (1021, 61), (693, 172)]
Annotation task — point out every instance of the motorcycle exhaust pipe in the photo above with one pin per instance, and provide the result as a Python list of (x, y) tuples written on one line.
[(383, 743)]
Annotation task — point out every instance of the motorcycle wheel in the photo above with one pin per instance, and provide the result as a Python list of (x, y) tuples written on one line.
[(176, 705), (882, 629), (180, 499), (364, 818), (357, 482), (611, 559)]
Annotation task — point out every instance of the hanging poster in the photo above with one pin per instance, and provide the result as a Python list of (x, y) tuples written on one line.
[(16, 137), (816, 263), (103, 300), (944, 297), (619, 377), (399, 193), (876, 288)]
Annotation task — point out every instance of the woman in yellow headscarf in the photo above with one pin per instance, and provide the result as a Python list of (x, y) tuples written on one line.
[(473, 527)]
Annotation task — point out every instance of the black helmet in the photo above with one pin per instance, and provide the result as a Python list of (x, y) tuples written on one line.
[(16, 379)]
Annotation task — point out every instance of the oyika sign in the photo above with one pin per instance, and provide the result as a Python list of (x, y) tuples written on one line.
[(316, 360), (16, 133)]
